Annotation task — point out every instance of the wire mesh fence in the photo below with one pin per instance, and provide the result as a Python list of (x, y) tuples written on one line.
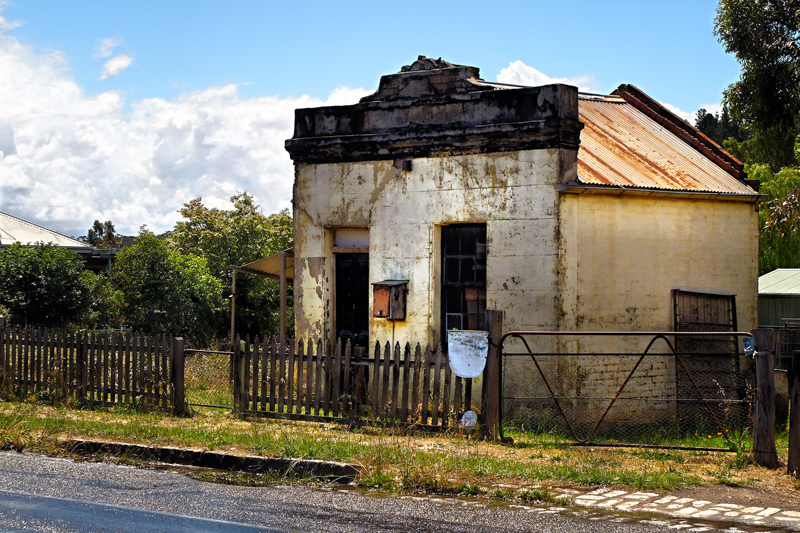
[(207, 378), (660, 389)]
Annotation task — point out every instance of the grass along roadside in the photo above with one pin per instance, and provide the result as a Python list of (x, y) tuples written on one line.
[(393, 461)]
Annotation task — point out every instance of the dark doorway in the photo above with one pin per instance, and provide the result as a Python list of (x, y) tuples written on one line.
[(352, 298), (463, 277)]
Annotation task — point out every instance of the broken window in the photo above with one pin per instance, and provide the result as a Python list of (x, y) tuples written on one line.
[(463, 277)]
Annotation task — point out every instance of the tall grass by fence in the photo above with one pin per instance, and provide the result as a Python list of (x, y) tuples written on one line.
[(317, 381), (91, 367)]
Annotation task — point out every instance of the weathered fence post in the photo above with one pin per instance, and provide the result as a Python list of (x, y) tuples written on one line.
[(764, 452), (491, 393), (793, 462), (238, 376), (80, 367), (176, 376)]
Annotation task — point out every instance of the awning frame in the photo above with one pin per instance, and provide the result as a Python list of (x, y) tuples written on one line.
[(264, 267)]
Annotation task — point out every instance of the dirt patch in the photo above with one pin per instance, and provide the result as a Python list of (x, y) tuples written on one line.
[(766, 488), (752, 496)]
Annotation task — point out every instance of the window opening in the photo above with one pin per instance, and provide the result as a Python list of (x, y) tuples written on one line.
[(463, 277)]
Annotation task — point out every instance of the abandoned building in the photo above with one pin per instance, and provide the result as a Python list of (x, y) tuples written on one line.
[(566, 211)]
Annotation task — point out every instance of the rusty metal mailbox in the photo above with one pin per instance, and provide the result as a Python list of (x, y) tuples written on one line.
[(389, 299)]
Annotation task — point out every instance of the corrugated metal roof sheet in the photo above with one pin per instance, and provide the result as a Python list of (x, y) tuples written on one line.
[(270, 266), (783, 281), (623, 147), (13, 229)]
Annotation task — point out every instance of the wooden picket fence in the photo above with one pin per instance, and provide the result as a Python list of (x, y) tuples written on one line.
[(91, 367), (312, 381)]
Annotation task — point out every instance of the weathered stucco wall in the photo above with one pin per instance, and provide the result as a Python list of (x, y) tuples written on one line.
[(621, 256), (514, 193)]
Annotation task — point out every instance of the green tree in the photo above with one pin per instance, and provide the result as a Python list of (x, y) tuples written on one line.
[(105, 304), (43, 284), (103, 235), (164, 291), (764, 35), (719, 127), (779, 240), (236, 237)]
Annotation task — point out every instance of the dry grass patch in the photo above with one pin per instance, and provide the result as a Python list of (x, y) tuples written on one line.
[(454, 463)]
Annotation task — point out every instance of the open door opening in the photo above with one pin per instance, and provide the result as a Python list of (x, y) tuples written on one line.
[(352, 298)]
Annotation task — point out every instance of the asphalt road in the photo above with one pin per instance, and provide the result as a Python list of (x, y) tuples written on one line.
[(56, 495)]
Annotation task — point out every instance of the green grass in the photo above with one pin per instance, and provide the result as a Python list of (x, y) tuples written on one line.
[(392, 461)]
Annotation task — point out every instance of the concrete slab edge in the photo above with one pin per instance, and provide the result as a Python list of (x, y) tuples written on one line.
[(307, 468)]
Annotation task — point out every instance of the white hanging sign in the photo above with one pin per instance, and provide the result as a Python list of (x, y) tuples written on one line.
[(467, 352)]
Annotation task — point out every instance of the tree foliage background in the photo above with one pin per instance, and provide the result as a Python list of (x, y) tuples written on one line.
[(239, 236), (181, 282), (178, 283), (164, 291), (760, 119), (43, 284)]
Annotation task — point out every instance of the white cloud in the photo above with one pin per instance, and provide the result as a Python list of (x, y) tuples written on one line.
[(68, 158), (688, 116), (115, 65), (106, 47), (691, 116), (346, 96), (518, 73)]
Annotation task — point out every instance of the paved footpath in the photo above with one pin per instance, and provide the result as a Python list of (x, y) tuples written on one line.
[(648, 502)]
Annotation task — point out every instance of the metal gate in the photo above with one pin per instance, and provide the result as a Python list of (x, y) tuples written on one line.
[(666, 389)]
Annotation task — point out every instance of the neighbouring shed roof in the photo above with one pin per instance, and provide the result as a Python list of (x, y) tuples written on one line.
[(780, 282), (13, 229), (624, 147)]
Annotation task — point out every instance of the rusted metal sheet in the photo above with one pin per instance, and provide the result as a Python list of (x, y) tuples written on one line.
[(623, 147)]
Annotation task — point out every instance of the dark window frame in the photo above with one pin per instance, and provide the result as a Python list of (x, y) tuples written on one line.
[(463, 280)]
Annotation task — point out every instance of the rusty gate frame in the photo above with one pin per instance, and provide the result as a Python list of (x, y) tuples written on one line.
[(656, 335)]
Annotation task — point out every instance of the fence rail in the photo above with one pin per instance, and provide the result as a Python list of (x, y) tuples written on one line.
[(91, 367), (317, 381)]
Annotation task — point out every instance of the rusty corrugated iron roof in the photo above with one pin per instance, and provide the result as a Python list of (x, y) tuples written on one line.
[(623, 147)]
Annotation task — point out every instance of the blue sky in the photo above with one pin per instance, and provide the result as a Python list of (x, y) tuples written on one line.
[(125, 110)]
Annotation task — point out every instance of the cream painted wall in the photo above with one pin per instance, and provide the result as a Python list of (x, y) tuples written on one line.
[(513, 193), (621, 256)]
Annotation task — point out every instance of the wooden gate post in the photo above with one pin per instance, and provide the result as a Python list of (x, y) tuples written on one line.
[(793, 463), (176, 376), (764, 451), (491, 393)]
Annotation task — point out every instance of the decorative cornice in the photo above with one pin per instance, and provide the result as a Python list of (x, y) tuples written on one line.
[(439, 124)]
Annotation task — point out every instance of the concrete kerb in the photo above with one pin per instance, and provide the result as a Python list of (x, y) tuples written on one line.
[(305, 468), (608, 500)]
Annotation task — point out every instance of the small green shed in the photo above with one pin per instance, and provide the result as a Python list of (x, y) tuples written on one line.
[(779, 297)]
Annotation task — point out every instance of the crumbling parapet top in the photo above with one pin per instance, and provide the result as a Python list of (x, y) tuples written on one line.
[(428, 77), (433, 107)]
